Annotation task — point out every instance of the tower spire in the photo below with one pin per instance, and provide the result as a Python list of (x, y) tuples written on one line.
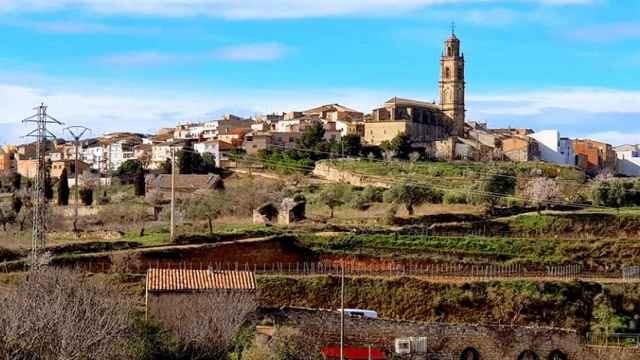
[(453, 28)]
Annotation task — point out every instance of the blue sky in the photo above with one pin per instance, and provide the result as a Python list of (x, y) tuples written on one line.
[(572, 65)]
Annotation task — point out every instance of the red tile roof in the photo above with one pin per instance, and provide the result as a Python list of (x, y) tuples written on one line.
[(165, 280)]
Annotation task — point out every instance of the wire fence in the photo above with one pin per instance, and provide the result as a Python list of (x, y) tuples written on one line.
[(442, 272)]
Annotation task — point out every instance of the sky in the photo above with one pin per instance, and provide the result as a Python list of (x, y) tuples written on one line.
[(122, 65)]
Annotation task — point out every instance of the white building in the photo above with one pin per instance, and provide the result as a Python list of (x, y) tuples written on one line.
[(219, 149), (553, 148), (628, 160)]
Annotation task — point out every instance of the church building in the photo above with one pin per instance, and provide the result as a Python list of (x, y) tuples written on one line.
[(425, 122)]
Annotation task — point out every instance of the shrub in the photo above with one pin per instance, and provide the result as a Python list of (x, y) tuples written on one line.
[(455, 197), (86, 196)]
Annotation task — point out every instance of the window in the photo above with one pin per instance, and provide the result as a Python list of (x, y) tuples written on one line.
[(447, 73)]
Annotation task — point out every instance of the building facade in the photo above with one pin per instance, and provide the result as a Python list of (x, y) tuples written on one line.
[(553, 148), (425, 122), (628, 160)]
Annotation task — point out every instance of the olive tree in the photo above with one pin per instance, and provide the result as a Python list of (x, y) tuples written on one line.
[(209, 207), (411, 194)]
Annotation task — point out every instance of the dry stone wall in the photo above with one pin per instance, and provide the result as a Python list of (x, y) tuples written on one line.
[(451, 341)]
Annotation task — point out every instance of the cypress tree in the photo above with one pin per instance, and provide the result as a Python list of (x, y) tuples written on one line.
[(140, 184), (48, 187), (63, 189)]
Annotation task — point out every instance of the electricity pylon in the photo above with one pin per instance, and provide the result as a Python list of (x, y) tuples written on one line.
[(39, 200), (76, 132)]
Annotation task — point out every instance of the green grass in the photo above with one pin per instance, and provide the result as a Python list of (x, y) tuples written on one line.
[(467, 170)]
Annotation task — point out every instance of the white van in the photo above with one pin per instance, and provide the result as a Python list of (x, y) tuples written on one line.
[(360, 314)]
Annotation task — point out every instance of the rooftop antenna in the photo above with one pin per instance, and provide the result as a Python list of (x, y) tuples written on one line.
[(39, 200)]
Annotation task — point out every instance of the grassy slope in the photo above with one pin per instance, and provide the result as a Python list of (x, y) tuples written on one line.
[(595, 254), (567, 305)]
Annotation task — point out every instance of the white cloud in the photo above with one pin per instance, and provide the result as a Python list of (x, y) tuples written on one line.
[(140, 58), (249, 9), (616, 137), (592, 100), (607, 32), (252, 52), (247, 53)]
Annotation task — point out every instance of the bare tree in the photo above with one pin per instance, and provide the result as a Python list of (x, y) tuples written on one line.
[(542, 191), (205, 323), (58, 314)]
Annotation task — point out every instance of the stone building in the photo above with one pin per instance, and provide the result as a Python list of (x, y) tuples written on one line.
[(423, 121), (594, 156)]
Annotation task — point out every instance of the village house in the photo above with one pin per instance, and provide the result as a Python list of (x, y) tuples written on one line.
[(256, 141), (553, 148), (520, 149), (6, 162), (173, 287), (27, 167), (220, 150), (628, 160), (594, 156), (70, 165), (186, 185), (347, 121), (161, 150)]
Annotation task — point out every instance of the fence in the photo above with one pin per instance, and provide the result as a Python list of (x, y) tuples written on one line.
[(453, 272)]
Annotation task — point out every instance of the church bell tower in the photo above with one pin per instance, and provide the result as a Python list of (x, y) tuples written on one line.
[(452, 83)]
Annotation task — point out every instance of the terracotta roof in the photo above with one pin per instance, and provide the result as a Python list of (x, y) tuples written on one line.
[(184, 182), (198, 280), (331, 107), (237, 131), (401, 101)]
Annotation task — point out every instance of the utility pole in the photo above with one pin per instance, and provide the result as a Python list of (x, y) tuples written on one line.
[(39, 201), (173, 191), (342, 311), (76, 132)]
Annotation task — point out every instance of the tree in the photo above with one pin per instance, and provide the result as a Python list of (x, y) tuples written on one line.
[(7, 215), (496, 186), (333, 196), (140, 185), (205, 325), (48, 187), (311, 137), (617, 195), (411, 195), (63, 188), (16, 180), (166, 167), (609, 193), (541, 191), (130, 167), (86, 196), (83, 318), (209, 164), (207, 207), (351, 145), (24, 217), (189, 161), (400, 145), (606, 321)]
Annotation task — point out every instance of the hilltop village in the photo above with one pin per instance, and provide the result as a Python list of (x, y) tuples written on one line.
[(406, 232), (434, 131)]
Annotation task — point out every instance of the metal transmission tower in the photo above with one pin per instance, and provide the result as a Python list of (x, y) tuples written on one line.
[(76, 132), (39, 201)]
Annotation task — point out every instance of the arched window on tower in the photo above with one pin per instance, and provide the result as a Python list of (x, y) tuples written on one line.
[(447, 73)]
